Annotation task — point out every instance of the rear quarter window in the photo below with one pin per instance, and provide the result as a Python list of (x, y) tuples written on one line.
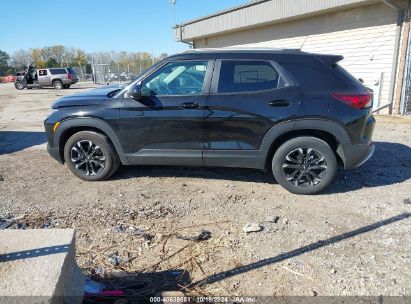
[(346, 75), (312, 75), (58, 71), (71, 71)]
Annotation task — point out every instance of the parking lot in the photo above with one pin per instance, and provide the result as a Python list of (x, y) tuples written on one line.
[(354, 239)]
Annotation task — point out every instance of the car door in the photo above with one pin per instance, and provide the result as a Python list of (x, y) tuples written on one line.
[(165, 125), (247, 98), (43, 77)]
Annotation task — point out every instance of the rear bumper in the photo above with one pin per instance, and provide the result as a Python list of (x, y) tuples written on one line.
[(55, 153), (368, 155), (355, 155), (70, 81)]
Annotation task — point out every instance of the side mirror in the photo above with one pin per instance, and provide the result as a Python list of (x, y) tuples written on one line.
[(135, 92), (361, 80)]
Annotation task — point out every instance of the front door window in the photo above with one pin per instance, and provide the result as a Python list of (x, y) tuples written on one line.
[(176, 78)]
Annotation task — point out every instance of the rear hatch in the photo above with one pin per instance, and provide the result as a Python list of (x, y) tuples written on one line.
[(72, 74)]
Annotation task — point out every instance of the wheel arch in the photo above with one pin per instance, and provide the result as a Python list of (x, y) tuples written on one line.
[(69, 127), (55, 79), (329, 131)]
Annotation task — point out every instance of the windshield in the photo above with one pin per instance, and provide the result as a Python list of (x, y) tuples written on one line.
[(128, 85)]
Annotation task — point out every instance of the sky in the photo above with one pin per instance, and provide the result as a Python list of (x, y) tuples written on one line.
[(100, 25)]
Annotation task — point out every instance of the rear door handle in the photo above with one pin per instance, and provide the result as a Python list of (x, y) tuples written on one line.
[(279, 103), (189, 105)]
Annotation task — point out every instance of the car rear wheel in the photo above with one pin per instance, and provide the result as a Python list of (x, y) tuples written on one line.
[(304, 165), (90, 156), (57, 84), (19, 85)]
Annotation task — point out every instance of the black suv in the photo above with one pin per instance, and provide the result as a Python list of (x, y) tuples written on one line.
[(293, 113)]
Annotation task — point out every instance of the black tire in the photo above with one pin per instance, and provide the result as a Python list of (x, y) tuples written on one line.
[(19, 85), (57, 84), (304, 165), (90, 171), (66, 86)]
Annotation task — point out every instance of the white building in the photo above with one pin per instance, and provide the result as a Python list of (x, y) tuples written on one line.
[(372, 35)]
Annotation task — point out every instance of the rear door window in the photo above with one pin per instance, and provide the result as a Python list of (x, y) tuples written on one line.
[(243, 76), (42, 72)]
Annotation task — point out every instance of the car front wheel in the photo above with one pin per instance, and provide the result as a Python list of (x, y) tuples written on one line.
[(90, 156), (304, 165), (19, 85)]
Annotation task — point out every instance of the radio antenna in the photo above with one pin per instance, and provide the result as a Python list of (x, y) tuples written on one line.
[(305, 39)]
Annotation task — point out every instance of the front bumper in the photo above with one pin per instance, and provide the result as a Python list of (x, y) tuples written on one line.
[(55, 153)]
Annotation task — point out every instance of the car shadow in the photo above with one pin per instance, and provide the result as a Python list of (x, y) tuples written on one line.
[(140, 287), (13, 141), (218, 173), (390, 164), (216, 277)]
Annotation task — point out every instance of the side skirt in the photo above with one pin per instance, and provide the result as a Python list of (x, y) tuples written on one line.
[(223, 158)]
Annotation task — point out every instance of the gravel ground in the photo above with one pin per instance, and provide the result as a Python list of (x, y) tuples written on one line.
[(354, 239)]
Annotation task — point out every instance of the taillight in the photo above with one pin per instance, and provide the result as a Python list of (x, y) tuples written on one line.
[(68, 75), (356, 100)]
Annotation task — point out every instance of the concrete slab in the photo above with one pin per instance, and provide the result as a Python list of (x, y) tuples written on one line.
[(39, 264)]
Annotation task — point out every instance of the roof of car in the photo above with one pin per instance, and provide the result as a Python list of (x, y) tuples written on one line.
[(243, 50), (251, 53)]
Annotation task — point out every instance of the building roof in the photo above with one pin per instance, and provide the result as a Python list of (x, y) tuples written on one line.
[(225, 11), (257, 13)]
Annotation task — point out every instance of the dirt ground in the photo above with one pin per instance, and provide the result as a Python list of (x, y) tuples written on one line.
[(354, 239)]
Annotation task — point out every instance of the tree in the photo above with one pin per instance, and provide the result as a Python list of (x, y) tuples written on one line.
[(80, 59), (163, 56), (4, 58), (4, 63), (21, 59), (52, 63), (89, 70), (38, 58), (58, 53), (115, 58), (68, 56)]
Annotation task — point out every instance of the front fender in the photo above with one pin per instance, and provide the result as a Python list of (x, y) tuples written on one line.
[(95, 123)]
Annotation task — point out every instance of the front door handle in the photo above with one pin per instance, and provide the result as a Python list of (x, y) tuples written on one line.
[(189, 105), (279, 103)]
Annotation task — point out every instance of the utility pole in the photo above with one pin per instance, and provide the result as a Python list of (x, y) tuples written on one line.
[(174, 3)]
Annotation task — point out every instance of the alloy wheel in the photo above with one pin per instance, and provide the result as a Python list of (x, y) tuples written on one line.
[(87, 157), (58, 85), (304, 167)]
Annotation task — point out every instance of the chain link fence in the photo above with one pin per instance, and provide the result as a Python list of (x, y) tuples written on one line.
[(406, 96), (109, 72), (104, 72), (405, 108)]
